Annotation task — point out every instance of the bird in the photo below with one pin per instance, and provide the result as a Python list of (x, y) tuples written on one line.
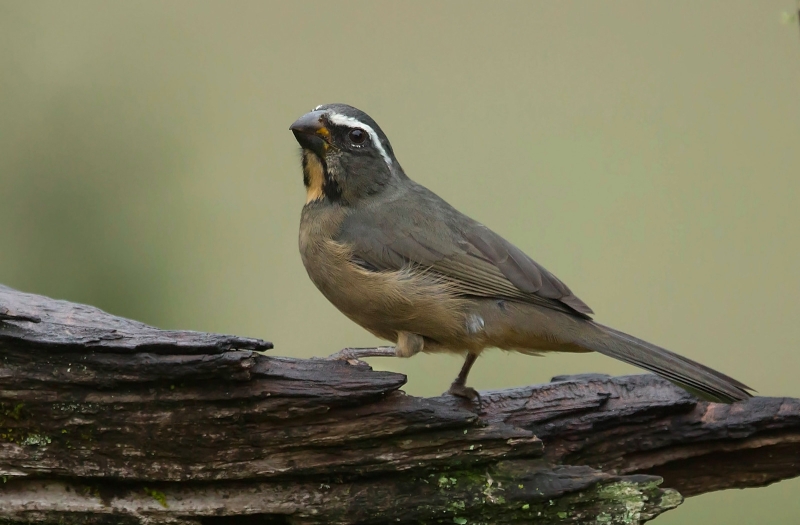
[(402, 263)]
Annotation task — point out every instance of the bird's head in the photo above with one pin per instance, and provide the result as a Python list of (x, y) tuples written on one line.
[(346, 155)]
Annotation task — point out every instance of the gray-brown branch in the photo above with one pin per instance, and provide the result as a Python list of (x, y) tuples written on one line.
[(107, 420)]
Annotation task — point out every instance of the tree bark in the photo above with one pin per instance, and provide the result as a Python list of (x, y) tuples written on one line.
[(107, 420)]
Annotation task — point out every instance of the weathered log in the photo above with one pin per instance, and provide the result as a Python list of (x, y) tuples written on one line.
[(107, 420)]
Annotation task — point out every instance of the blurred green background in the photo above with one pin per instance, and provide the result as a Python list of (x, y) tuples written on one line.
[(645, 152)]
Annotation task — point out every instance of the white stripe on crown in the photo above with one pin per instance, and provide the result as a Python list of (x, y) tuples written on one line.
[(344, 120)]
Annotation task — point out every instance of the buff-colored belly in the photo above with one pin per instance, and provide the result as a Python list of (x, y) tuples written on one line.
[(385, 303)]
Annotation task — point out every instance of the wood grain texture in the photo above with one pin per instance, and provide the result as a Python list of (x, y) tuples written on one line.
[(107, 420)]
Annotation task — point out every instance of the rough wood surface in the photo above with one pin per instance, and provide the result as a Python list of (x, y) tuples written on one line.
[(107, 420)]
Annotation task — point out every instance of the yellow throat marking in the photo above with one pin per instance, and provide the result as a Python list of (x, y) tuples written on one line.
[(314, 176)]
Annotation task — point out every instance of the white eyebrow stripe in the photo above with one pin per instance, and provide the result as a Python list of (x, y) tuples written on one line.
[(317, 108), (343, 120)]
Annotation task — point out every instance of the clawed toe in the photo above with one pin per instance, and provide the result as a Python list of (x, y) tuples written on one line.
[(465, 392), (345, 354)]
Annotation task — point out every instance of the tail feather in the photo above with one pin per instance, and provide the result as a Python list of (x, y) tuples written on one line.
[(699, 379)]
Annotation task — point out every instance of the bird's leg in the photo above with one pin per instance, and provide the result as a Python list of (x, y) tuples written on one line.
[(459, 387), (355, 354), (408, 344)]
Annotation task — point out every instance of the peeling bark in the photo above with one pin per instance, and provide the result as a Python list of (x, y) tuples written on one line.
[(107, 420)]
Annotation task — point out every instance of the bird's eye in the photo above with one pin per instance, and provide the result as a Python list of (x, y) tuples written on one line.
[(357, 136)]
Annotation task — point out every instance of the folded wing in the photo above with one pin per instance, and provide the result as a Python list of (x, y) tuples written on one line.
[(476, 260)]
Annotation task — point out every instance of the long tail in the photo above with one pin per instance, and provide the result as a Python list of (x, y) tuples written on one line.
[(698, 379)]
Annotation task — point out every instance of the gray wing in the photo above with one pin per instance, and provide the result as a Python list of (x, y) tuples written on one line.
[(425, 231)]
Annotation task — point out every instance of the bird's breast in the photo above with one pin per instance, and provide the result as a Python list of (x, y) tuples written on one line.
[(383, 302)]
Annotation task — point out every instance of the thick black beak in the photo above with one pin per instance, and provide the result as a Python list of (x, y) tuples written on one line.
[(311, 133)]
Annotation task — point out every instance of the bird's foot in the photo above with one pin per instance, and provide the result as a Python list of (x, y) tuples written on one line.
[(354, 356), (465, 392)]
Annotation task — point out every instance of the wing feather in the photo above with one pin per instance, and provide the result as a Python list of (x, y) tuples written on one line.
[(435, 236)]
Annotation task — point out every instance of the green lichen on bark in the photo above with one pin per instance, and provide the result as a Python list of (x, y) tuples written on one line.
[(16, 428), (159, 496), (8, 411), (634, 507), (498, 496)]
